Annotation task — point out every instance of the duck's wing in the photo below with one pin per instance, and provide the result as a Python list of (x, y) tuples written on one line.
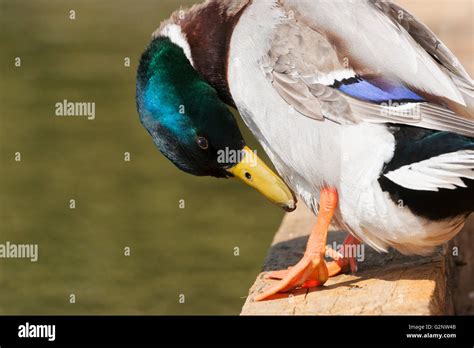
[(357, 61), (447, 61)]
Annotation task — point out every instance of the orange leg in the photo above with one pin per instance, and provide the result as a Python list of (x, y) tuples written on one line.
[(311, 270)]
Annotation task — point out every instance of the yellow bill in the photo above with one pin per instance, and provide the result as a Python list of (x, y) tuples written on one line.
[(255, 173)]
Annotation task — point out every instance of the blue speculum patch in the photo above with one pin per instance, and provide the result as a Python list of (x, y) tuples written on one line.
[(377, 91)]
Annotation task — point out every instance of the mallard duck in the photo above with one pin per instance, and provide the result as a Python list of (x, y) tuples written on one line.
[(366, 115)]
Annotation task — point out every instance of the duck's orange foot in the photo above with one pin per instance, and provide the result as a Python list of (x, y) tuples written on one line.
[(304, 274), (310, 271)]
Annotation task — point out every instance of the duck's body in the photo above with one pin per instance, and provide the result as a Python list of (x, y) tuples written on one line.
[(304, 150), (319, 84)]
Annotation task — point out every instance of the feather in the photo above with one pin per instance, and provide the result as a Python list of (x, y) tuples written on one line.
[(444, 171)]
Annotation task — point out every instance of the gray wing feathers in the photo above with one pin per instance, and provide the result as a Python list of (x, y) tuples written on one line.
[(297, 95), (303, 63), (424, 37), (434, 46)]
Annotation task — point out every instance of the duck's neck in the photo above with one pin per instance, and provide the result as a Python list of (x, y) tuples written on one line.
[(205, 31)]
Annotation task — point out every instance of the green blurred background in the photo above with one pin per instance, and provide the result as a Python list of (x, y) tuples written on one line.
[(118, 204)]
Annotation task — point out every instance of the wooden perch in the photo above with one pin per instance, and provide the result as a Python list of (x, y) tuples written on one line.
[(384, 284)]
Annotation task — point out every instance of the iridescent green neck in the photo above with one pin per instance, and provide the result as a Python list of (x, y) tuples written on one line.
[(167, 85)]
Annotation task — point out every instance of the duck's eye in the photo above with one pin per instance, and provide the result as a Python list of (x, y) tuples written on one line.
[(202, 143), (248, 176)]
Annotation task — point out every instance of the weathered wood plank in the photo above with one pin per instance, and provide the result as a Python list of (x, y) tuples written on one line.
[(461, 269)]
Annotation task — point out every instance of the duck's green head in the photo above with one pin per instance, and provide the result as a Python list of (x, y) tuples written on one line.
[(192, 127), (182, 113)]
